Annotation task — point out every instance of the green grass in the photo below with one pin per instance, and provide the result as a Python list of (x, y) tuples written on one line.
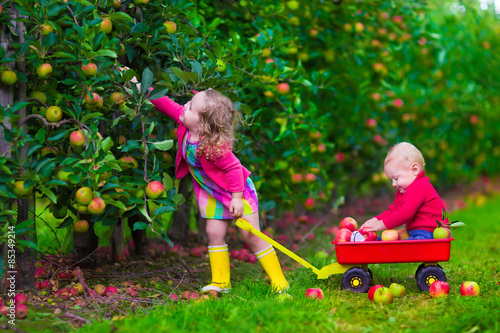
[(252, 307)]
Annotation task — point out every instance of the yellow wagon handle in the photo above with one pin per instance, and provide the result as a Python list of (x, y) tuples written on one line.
[(248, 227)]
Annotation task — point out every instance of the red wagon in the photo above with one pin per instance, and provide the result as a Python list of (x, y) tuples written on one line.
[(353, 259)]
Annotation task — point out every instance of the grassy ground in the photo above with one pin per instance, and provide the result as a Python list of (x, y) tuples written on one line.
[(253, 308)]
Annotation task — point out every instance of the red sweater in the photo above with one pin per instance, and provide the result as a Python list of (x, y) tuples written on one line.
[(418, 207)]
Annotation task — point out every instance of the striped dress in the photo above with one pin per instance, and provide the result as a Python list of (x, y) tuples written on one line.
[(214, 201)]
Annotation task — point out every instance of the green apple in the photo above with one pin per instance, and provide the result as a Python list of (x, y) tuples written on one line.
[(9, 77), (397, 290), (84, 195), (20, 190), (44, 70)]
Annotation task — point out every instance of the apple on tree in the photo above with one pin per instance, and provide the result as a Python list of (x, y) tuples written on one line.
[(154, 189), (96, 206), (9, 77), (171, 27), (89, 69), (54, 114), (81, 226), (44, 70), (84, 195), (20, 190)]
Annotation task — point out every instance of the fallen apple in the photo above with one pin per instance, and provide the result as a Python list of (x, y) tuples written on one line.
[(316, 293), (439, 289), (372, 290), (383, 296), (397, 290), (469, 288)]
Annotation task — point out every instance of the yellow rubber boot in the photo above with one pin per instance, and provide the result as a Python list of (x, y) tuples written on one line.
[(219, 265), (269, 261)]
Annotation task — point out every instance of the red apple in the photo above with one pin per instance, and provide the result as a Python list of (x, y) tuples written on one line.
[(397, 290), (84, 195), (403, 234), (44, 70), (348, 223), (297, 178), (110, 291), (235, 254), (46, 285), (171, 27), (251, 258), (398, 103), (77, 138), (316, 293), (154, 189), (21, 311), (469, 288), (4, 310), (439, 289), (173, 297), (310, 177), (369, 235), (383, 296), (309, 203), (96, 206), (195, 252), (372, 290), (81, 226), (20, 299), (283, 88), (343, 235), (90, 69), (106, 25), (390, 235)]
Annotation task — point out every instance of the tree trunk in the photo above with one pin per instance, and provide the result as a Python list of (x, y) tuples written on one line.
[(178, 233), (117, 246), (26, 259), (85, 244), (138, 236)]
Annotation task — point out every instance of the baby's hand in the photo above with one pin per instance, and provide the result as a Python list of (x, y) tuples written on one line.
[(373, 225), (236, 207)]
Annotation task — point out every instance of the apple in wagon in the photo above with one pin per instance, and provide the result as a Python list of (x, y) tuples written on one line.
[(348, 223), (343, 235), (368, 235)]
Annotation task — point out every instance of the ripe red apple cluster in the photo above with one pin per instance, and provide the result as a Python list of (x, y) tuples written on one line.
[(20, 308), (347, 226), (442, 289), (383, 295)]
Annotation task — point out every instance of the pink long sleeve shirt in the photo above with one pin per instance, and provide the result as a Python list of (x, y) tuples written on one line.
[(226, 171), (418, 207)]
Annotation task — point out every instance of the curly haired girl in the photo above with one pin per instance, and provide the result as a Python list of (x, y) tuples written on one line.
[(222, 185)]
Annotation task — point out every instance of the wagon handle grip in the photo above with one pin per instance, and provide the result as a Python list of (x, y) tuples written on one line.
[(248, 227)]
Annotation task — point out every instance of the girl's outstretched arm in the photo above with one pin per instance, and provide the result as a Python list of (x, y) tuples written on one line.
[(168, 107)]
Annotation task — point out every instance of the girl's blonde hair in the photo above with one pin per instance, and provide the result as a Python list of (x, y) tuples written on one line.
[(217, 123), (406, 152)]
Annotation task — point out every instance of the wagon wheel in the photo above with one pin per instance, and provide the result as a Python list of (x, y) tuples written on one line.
[(427, 275), (357, 279), (422, 266)]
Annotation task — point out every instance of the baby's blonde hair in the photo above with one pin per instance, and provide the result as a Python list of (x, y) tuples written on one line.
[(407, 153), (217, 124)]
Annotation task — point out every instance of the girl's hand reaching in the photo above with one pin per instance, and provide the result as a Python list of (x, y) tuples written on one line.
[(236, 207), (373, 225)]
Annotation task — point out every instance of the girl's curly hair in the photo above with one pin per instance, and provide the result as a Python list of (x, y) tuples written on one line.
[(217, 123)]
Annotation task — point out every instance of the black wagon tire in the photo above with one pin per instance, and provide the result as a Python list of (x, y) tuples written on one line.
[(357, 279), (427, 275)]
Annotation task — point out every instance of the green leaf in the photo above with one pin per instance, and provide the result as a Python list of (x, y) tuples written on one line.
[(340, 201), (165, 237), (106, 53), (33, 149), (457, 224), (147, 80), (144, 211), (48, 193), (28, 243), (107, 144), (164, 145), (131, 144), (66, 223), (58, 135), (140, 225), (180, 74), (92, 115), (179, 199), (196, 67), (63, 55), (165, 209), (168, 182)]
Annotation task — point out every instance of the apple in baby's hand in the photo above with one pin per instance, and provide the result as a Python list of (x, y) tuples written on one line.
[(368, 235), (343, 235), (372, 290), (439, 289), (383, 296), (403, 234), (469, 288), (348, 223), (390, 235), (314, 293), (397, 290)]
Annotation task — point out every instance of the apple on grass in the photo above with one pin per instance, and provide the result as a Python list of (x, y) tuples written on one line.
[(371, 291), (439, 289), (390, 235), (21, 311), (383, 296), (348, 223), (316, 293), (397, 290), (469, 288)]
